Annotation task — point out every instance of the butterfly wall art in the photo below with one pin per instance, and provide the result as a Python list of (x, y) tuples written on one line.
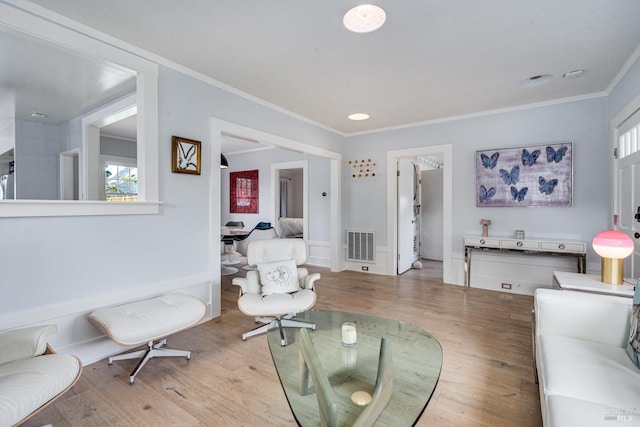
[(540, 175)]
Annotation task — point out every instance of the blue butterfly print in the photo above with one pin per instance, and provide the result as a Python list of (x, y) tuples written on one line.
[(519, 195), (546, 187), (510, 178), (486, 195), (490, 162), (555, 155), (529, 159)]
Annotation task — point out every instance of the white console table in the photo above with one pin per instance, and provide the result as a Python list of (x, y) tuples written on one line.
[(572, 248)]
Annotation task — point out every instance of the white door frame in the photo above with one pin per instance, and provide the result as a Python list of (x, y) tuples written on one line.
[(219, 127), (68, 176), (617, 216), (392, 207)]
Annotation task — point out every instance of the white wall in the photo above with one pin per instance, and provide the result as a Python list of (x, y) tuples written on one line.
[(582, 122), (431, 215)]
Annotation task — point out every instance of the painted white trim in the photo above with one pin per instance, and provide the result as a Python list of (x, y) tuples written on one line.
[(392, 207), (275, 192), (624, 70), (484, 113), (66, 161), (219, 127), (42, 208), (146, 99)]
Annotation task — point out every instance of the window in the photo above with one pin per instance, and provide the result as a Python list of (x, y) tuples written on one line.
[(628, 142), (120, 180)]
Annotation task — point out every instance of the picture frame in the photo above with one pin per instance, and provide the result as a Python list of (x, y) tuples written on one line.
[(244, 192), (185, 155), (538, 175)]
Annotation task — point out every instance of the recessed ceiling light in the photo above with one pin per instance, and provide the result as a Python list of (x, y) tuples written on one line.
[(358, 116), (364, 18), (535, 81), (573, 74), (38, 115)]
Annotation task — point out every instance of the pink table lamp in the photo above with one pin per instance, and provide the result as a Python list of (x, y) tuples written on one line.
[(613, 246)]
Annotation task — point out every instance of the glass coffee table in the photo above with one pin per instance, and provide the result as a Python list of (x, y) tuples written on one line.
[(417, 361)]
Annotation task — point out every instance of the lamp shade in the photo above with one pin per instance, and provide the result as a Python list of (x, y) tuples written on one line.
[(613, 244), (223, 162)]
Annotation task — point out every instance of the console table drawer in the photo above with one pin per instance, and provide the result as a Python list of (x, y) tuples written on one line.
[(520, 244), (482, 242), (563, 247)]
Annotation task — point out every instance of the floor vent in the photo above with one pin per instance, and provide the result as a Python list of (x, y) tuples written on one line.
[(361, 246)]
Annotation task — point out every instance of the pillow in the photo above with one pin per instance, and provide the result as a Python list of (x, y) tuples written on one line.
[(279, 277), (633, 346)]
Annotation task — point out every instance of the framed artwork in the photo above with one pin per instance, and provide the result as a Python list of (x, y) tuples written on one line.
[(243, 192), (540, 175), (185, 155)]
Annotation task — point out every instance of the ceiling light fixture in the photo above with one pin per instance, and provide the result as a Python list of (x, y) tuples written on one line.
[(364, 18), (38, 115), (535, 81), (358, 116)]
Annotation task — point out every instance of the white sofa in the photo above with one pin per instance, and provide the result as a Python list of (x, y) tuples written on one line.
[(31, 374), (585, 376)]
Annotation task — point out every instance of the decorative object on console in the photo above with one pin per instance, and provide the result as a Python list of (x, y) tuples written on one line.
[(633, 346), (485, 227), (526, 176), (243, 192), (185, 155), (518, 234), (613, 246)]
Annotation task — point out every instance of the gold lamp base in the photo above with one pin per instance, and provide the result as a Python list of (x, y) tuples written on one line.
[(612, 271)]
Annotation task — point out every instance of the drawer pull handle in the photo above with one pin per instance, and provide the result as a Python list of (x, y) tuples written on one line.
[(482, 241), (519, 244), (561, 246)]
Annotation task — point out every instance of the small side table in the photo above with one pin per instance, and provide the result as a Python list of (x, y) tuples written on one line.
[(591, 283)]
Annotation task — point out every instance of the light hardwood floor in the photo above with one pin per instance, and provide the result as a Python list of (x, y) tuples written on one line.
[(487, 375)]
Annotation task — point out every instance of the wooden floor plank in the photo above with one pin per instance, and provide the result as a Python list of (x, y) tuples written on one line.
[(487, 376)]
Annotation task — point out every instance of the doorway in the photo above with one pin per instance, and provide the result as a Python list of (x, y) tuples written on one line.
[(626, 176), (446, 151), (220, 127), (70, 175), (289, 189)]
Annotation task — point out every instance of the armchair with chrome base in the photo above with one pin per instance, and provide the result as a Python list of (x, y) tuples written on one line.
[(276, 309)]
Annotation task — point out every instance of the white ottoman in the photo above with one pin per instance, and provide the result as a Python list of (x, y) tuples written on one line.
[(144, 322)]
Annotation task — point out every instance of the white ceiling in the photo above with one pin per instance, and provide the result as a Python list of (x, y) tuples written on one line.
[(432, 59), (40, 77)]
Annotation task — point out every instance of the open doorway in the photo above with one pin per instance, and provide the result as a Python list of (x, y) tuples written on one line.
[(445, 153), (290, 200), (220, 128)]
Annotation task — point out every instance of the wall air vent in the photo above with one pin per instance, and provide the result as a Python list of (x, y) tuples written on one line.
[(361, 246)]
